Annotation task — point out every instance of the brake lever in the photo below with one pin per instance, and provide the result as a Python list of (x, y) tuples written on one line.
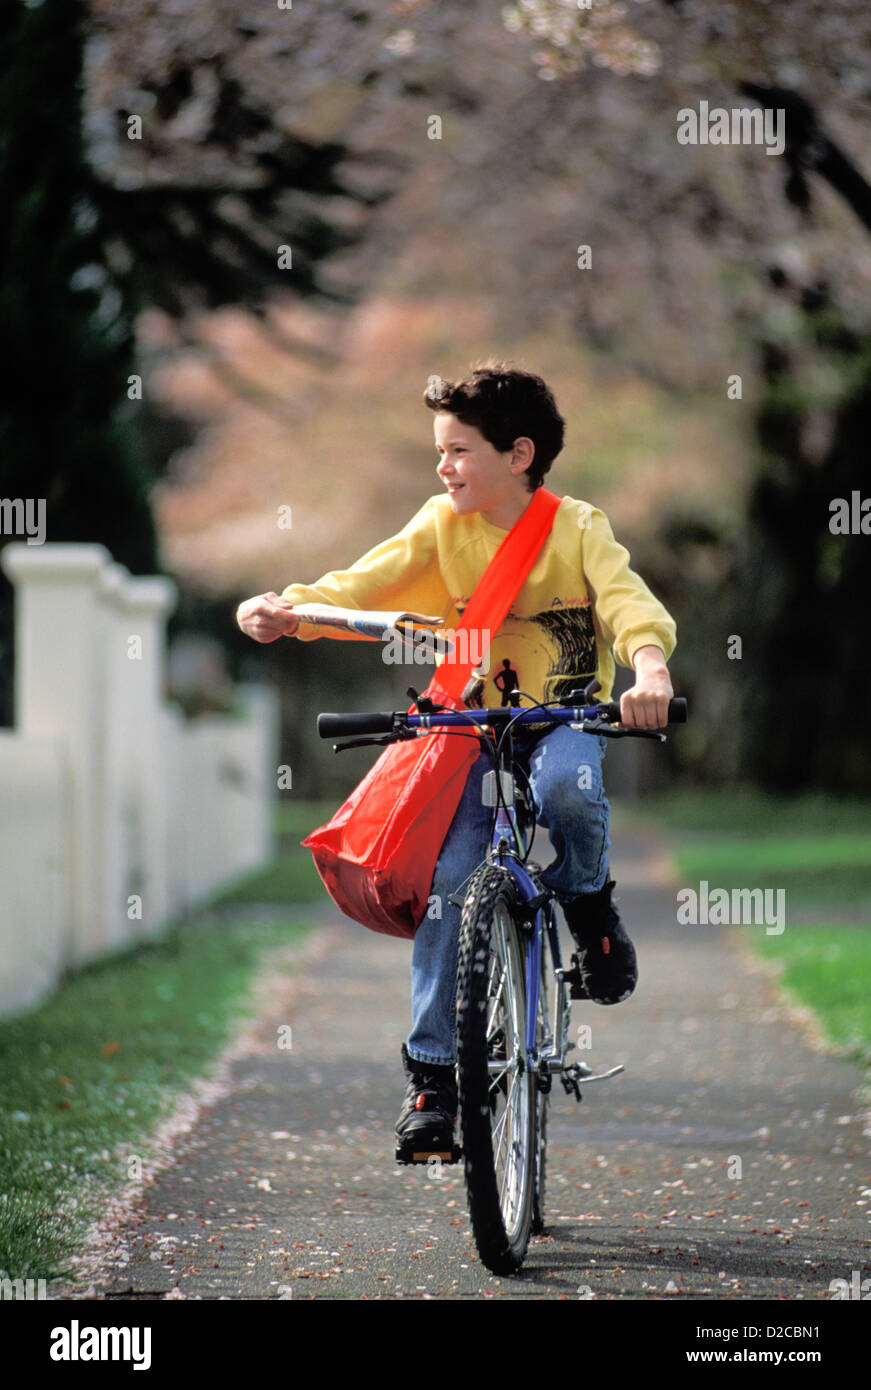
[(377, 741), (601, 726)]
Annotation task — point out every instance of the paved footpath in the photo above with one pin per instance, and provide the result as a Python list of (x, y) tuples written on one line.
[(730, 1161)]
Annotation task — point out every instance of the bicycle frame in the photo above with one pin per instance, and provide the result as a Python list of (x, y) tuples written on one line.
[(506, 840)]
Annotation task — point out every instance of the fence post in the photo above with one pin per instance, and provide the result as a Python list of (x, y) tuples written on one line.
[(59, 693), (150, 601), (134, 792)]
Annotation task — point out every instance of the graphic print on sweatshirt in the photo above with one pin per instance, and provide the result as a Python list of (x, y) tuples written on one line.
[(552, 652)]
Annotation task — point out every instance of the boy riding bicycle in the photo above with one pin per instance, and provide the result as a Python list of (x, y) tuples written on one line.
[(497, 433)]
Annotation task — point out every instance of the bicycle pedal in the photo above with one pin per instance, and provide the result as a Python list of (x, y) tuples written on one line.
[(571, 1087), (408, 1156)]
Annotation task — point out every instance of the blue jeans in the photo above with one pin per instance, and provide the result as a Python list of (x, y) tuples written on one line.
[(565, 773)]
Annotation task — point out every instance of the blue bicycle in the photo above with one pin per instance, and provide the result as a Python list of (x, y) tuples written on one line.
[(513, 992)]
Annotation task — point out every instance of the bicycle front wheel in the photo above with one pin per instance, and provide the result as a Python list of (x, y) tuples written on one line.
[(497, 1093), (543, 1043)]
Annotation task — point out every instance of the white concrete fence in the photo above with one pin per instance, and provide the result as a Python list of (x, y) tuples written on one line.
[(116, 814)]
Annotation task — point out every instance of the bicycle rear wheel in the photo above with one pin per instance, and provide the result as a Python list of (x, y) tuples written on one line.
[(497, 1090)]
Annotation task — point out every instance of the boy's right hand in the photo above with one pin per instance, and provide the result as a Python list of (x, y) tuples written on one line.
[(266, 618)]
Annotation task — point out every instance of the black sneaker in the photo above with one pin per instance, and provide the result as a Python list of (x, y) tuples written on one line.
[(605, 967), (425, 1128)]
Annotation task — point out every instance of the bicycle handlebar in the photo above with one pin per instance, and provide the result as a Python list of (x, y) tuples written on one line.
[(677, 710), (384, 722), (336, 725)]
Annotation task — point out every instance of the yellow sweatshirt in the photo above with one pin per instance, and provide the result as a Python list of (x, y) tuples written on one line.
[(579, 601)]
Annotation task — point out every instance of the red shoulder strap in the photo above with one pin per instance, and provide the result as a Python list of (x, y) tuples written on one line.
[(502, 581)]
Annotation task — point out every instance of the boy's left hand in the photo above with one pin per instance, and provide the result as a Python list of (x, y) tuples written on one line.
[(645, 705)]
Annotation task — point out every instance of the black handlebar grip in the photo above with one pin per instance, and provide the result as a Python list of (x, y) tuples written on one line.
[(677, 710), (337, 725)]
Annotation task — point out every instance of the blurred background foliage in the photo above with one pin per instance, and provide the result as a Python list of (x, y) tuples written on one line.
[(154, 158)]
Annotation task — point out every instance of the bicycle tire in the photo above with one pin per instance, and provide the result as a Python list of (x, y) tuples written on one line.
[(497, 1105), (542, 1031), (539, 1188)]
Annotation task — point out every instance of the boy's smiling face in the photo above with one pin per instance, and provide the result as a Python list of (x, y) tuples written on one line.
[(477, 477)]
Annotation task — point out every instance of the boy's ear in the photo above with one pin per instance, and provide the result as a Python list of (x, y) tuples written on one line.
[(524, 453)]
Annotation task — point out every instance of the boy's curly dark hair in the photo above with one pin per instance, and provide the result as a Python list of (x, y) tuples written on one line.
[(505, 404)]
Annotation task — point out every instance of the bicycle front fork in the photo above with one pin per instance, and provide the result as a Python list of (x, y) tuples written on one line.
[(547, 1055)]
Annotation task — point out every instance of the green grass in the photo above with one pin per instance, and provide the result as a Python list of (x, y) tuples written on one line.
[(829, 969), (85, 1076), (816, 848), (818, 872), (747, 813), (294, 820), (292, 877)]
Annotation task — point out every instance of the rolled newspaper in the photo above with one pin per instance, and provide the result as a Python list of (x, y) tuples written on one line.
[(374, 623)]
